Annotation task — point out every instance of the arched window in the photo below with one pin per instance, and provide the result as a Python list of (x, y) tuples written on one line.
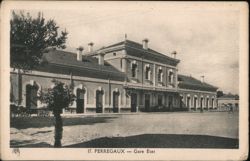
[(171, 77), (134, 70), (147, 72), (160, 75)]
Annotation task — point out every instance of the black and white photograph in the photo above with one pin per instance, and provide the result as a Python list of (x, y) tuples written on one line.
[(101, 80)]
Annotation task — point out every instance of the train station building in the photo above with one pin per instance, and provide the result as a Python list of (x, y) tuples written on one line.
[(123, 77)]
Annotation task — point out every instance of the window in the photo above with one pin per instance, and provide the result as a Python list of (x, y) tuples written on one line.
[(170, 77), (147, 72), (114, 54), (134, 68), (160, 75)]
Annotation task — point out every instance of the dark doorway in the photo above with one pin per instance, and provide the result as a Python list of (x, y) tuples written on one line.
[(159, 100), (195, 103), (207, 103), (133, 102), (147, 102), (31, 96), (170, 102), (188, 102), (80, 100), (99, 101), (201, 104), (115, 102)]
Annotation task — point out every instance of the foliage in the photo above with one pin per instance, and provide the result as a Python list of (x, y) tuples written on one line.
[(219, 94), (31, 37), (58, 97)]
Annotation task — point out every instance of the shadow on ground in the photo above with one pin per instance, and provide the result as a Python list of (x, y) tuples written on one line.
[(161, 141), (39, 122), (28, 144)]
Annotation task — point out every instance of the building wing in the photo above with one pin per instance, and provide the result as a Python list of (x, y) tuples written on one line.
[(62, 62), (188, 82)]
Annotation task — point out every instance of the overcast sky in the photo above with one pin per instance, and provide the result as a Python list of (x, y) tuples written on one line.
[(206, 38)]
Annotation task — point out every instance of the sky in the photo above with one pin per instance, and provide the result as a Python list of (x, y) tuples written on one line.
[(206, 38)]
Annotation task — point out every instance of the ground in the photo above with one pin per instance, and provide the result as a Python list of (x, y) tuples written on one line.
[(155, 130)]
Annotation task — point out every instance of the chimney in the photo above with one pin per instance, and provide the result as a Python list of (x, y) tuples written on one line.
[(202, 78), (79, 53), (145, 44), (125, 37), (101, 58), (90, 46), (174, 54)]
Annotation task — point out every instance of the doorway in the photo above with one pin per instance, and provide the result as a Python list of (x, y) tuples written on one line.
[(147, 102), (80, 100), (195, 103), (188, 102), (207, 103), (115, 102), (133, 102), (99, 101)]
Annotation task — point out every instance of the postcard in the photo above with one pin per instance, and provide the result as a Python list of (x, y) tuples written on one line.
[(124, 80)]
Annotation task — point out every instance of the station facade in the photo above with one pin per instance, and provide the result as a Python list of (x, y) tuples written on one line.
[(123, 77)]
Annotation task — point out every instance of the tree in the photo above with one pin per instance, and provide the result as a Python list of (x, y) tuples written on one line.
[(219, 94), (237, 97), (31, 37), (57, 98)]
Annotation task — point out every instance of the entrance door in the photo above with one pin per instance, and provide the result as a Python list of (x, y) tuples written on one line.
[(147, 102), (170, 102), (207, 103), (195, 101), (99, 103), (201, 102), (80, 100), (188, 102), (31, 96), (133, 102), (115, 102)]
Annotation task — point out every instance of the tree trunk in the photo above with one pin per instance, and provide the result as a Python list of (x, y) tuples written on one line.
[(58, 130)]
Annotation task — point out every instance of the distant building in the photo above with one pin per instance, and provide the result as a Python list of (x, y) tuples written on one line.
[(228, 100), (123, 77)]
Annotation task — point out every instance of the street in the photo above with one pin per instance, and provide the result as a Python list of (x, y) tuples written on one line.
[(163, 130)]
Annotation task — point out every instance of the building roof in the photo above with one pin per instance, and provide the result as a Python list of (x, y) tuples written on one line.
[(188, 82), (136, 49), (57, 61), (229, 96)]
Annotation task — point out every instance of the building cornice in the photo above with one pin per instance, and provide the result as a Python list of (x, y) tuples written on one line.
[(197, 91)]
